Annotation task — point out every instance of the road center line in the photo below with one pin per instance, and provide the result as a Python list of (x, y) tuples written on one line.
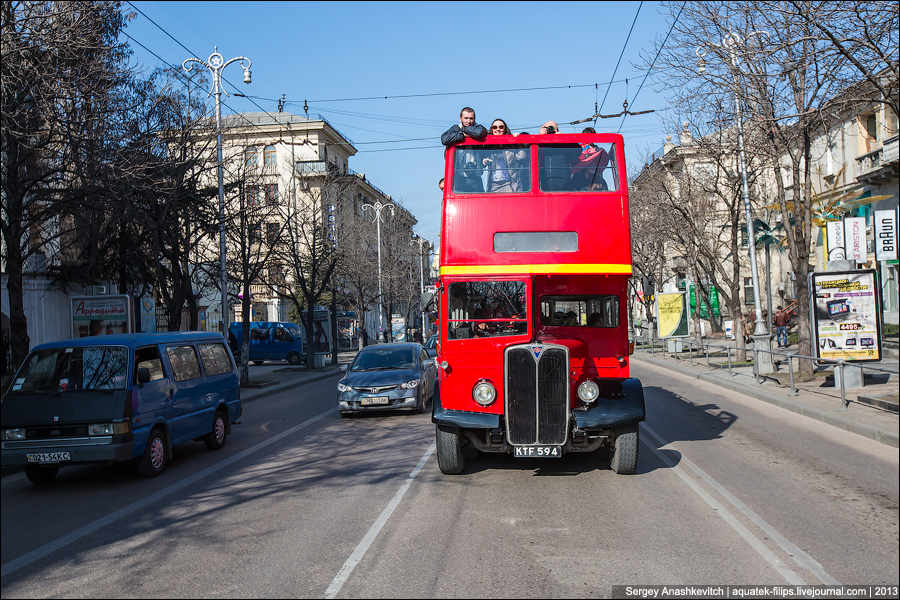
[(50, 547), (360, 551), (798, 555)]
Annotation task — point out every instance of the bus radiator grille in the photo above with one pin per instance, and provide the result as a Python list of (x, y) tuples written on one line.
[(536, 395)]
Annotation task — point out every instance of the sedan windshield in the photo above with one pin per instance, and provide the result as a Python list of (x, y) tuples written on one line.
[(372, 359), (73, 369)]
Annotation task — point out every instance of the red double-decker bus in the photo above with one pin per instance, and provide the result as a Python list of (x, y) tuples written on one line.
[(533, 344)]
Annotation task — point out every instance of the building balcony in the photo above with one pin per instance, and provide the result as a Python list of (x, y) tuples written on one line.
[(879, 166)]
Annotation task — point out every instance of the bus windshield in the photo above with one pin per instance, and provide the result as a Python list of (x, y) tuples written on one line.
[(577, 168), (492, 169), (486, 309)]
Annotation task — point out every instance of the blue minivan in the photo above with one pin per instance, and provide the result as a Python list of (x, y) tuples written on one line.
[(269, 340), (116, 398)]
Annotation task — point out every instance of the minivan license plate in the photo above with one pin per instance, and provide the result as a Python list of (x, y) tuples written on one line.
[(377, 401), (538, 451), (44, 458)]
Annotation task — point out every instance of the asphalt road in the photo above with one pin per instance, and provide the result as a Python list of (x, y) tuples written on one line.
[(301, 503)]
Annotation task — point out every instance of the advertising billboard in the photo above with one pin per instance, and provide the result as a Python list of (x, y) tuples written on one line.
[(847, 315), (671, 315), (100, 315)]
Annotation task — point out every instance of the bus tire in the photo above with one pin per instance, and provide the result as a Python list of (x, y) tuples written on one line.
[(625, 452), (41, 476), (449, 452)]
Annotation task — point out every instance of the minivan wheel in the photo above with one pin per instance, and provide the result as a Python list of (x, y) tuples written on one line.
[(293, 358), (154, 460), (449, 452), (215, 439), (41, 476)]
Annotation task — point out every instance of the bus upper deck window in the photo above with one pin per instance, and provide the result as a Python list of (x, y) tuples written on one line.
[(577, 168), (492, 169)]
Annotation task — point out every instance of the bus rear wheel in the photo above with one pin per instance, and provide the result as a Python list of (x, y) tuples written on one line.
[(449, 452)]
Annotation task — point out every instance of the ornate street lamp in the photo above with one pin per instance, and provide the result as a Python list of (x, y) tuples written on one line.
[(216, 64), (376, 210)]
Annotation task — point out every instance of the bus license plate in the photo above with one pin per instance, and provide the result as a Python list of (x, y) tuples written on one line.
[(45, 458), (377, 401), (537, 451)]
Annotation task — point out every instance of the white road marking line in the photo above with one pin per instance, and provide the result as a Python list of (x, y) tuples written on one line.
[(764, 551), (40, 552), (360, 551)]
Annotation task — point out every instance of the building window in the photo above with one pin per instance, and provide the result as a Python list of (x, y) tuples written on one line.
[(748, 291), (271, 193), (251, 196), (276, 274), (273, 232), (269, 156), (254, 233), (872, 126), (250, 157)]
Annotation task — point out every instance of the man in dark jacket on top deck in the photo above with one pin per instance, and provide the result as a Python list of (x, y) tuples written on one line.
[(467, 127)]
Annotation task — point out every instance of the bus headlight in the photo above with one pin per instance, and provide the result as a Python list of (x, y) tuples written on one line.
[(484, 393), (588, 391)]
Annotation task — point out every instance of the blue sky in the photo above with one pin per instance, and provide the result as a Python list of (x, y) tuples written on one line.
[(324, 52)]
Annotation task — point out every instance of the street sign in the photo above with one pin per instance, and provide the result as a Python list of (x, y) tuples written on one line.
[(855, 238), (835, 236), (885, 235)]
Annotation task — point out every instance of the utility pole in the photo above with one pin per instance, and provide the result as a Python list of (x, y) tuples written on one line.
[(422, 244)]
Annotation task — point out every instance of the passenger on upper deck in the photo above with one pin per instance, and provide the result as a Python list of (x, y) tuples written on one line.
[(467, 127), (549, 127), (503, 167)]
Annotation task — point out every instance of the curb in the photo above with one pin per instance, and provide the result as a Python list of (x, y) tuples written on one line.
[(283, 386), (776, 397)]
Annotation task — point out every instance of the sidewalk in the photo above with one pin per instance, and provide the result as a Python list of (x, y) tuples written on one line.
[(289, 376), (817, 399)]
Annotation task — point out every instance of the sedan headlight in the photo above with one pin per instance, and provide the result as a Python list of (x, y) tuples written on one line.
[(343, 388), (14, 434), (588, 391), (484, 392), (410, 385), (107, 428)]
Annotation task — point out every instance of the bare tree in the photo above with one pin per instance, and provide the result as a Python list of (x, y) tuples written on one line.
[(62, 66)]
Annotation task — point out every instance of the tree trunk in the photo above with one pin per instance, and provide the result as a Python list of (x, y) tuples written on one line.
[(18, 322)]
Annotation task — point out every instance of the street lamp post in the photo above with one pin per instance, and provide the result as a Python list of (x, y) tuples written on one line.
[(422, 243), (762, 339), (376, 210), (216, 64)]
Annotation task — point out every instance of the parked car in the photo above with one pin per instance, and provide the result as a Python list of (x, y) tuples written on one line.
[(397, 376), (430, 346), (117, 398), (269, 340)]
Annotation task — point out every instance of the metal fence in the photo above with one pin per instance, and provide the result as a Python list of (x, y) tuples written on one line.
[(659, 345)]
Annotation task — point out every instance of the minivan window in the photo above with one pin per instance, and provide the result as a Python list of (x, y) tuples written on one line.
[(215, 359), (282, 335), (73, 369), (184, 362), (258, 333), (149, 358)]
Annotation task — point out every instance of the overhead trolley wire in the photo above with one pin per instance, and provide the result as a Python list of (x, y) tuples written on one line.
[(658, 52), (618, 62)]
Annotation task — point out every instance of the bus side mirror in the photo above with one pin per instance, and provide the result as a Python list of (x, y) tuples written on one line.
[(143, 375)]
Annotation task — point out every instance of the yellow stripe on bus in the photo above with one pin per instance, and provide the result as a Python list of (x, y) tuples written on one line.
[(535, 269)]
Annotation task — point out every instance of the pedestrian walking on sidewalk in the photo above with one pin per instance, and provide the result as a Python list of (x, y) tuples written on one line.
[(780, 322)]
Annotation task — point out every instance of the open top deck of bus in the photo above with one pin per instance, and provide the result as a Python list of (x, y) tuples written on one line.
[(536, 204)]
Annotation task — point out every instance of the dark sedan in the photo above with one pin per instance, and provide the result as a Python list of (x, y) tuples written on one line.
[(387, 377)]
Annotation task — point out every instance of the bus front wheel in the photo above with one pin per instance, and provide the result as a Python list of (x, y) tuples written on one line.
[(449, 452), (625, 452)]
